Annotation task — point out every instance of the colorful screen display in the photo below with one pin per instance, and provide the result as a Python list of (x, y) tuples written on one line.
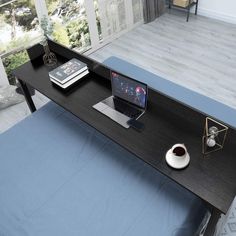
[(129, 89)]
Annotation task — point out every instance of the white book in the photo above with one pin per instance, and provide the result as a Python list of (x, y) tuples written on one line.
[(70, 82), (68, 70)]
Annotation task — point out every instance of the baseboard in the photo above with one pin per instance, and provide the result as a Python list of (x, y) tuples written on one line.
[(217, 15)]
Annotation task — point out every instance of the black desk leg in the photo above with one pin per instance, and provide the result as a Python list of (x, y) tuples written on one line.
[(196, 7), (27, 96), (210, 230)]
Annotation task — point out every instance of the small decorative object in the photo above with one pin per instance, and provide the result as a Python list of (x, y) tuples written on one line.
[(49, 58), (214, 136), (178, 157)]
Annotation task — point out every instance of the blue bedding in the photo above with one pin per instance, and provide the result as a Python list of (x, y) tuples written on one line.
[(58, 176)]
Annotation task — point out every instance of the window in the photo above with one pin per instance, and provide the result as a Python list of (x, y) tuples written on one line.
[(19, 24), (78, 24), (70, 23), (19, 28)]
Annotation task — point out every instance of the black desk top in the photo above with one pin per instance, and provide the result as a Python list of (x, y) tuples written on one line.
[(166, 122)]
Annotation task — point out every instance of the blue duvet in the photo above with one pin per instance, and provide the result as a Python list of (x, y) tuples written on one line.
[(60, 177)]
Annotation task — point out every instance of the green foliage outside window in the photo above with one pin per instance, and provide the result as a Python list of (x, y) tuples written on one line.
[(70, 23), (13, 61), (51, 6), (78, 33), (21, 13), (19, 20), (60, 35)]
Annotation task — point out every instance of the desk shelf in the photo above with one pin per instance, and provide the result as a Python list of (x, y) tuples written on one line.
[(187, 8)]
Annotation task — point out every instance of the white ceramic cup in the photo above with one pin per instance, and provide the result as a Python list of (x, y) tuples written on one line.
[(179, 150)]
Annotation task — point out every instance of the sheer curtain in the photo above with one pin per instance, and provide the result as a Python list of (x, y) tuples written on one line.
[(152, 9), (119, 15)]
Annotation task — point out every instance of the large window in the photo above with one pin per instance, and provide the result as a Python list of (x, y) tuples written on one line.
[(78, 24)]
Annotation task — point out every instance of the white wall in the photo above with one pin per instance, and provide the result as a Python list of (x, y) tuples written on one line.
[(220, 9)]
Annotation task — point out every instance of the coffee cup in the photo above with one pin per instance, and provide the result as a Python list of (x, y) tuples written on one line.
[(178, 157), (179, 150)]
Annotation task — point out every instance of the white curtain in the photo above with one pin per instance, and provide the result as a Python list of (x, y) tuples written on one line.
[(119, 15), (112, 14)]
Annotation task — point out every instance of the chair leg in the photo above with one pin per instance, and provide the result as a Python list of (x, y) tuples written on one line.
[(196, 7), (188, 11)]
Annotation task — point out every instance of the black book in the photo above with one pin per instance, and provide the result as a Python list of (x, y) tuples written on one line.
[(68, 70)]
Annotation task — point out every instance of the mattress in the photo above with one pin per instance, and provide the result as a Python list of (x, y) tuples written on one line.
[(59, 176)]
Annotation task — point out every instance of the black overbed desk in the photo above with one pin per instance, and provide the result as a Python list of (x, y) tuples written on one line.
[(166, 122)]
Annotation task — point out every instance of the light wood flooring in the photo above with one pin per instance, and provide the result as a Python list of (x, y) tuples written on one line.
[(200, 55)]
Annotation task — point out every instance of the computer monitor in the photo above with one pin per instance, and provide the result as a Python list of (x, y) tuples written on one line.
[(128, 89)]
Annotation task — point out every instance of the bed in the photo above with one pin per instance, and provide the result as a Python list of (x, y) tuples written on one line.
[(58, 176)]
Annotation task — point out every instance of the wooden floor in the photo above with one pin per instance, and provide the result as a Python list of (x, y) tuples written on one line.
[(200, 55)]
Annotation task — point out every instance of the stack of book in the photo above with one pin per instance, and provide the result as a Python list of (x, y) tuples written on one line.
[(68, 73)]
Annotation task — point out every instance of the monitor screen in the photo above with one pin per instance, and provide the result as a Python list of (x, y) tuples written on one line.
[(129, 89)]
